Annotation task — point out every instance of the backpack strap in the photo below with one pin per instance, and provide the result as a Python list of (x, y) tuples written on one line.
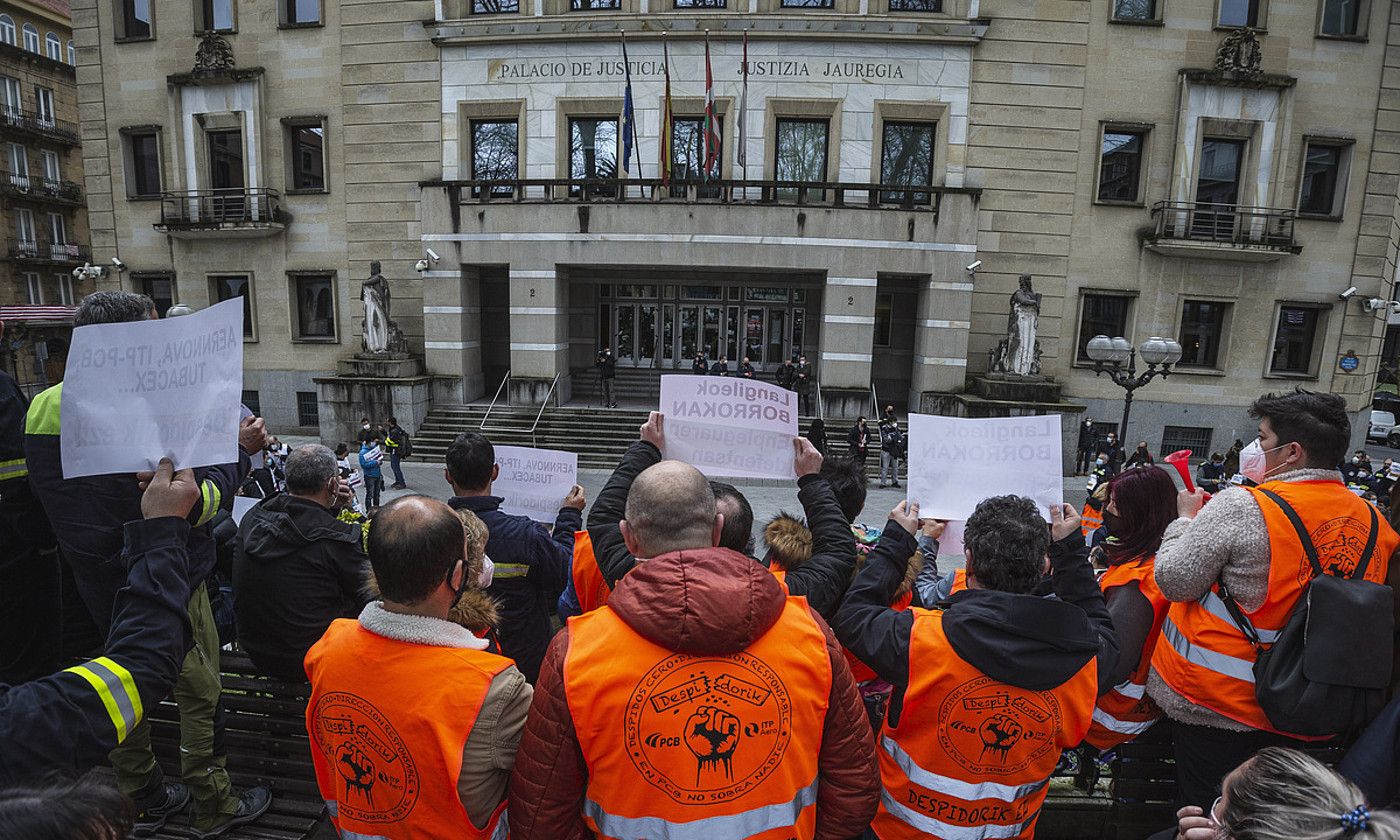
[(1306, 539)]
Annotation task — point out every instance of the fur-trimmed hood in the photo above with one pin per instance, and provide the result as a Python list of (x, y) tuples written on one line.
[(475, 610), (789, 542)]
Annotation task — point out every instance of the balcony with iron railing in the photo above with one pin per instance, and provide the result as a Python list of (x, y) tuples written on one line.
[(1221, 231), (48, 190), (39, 125), (224, 213), (47, 251)]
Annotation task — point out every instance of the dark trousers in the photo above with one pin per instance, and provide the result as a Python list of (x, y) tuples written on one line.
[(1084, 460), (806, 398), (1206, 755), (373, 487), (608, 397), (31, 615), (394, 465)]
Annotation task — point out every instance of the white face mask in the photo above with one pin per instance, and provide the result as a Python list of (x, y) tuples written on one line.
[(1252, 464), (488, 569)]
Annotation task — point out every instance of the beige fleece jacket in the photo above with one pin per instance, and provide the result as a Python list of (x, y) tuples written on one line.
[(1227, 540)]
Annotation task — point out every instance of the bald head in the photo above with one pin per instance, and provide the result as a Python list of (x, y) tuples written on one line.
[(414, 544), (670, 508)]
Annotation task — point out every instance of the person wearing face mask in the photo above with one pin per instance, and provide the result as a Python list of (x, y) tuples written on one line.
[(296, 566), (407, 702), (1210, 475), (1114, 450), (1358, 462), (1141, 457), (1201, 670)]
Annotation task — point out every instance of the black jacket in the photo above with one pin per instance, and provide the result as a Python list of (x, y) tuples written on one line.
[(1086, 436), (68, 722), (786, 375), (607, 366), (822, 579), (746, 370), (1022, 640), (853, 439), (699, 367), (296, 568), (532, 569)]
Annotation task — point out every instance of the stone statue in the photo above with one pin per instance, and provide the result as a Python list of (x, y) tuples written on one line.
[(381, 334), (213, 55), (1018, 353)]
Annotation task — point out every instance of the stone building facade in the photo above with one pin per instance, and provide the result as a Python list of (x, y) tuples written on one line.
[(42, 197), (1154, 174)]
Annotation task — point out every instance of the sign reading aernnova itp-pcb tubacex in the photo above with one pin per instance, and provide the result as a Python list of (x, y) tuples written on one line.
[(729, 427)]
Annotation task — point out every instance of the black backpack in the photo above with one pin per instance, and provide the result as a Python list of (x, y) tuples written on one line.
[(1328, 670)]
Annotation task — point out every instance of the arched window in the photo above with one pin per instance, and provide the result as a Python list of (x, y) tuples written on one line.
[(72, 53), (7, 29), (31, 38), (53, 47)]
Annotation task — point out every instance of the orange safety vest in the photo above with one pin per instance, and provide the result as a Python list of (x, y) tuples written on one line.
[(388, 721), (1125, 711), (712, 746), (781, 575), (1205, 657), (589, 584), (859, 670), (971, 757), (1090, 520), (959, 581)]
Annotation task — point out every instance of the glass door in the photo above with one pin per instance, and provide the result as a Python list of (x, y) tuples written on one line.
[(647, 315), (626, 333), (710, 341), (753, 335), (777, 332), (226, 175), (1218, 189), (690, 333)]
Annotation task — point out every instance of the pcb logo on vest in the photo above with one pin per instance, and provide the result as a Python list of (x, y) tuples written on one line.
[(708, 730), (996, 731), (1339, 542), (379, 779)]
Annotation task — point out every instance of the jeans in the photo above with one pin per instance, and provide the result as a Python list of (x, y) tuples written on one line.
[(201, 763), (888, 463), (374, 485), (394, 465)]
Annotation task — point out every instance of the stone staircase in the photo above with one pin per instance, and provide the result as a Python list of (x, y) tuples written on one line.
[(600, 436)]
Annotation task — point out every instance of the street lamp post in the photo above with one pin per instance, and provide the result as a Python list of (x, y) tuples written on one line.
[(1110, 355)]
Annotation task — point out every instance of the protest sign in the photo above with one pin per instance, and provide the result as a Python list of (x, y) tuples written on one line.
[(241, 505), (136, 392), (534, 482), (729, 427), (956, 462)]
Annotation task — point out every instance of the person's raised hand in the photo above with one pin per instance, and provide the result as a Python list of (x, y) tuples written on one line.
[(1064, 521), (806, 460), (1193, 824), (1188, 504), (575, 499), (342, 495), (933, 527), (168, 493), (252, 435), (653, 430), (906, 515)]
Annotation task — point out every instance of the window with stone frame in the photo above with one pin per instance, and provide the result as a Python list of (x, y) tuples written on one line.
[(1203, 324), (495, 7), (1240, 13), (1135, 11), (1322, 190), (1120, 165), (906, 159), (299, 12), (1343, 18), (135, 20), (1295, 340), (224, 287), (159, 286), (800, 154), (142, 154), (1101, 314), (214, 15), (495, 153), (306, 154), (314, 306)]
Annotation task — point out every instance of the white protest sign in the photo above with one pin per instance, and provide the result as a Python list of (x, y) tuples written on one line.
[(534, 482), (729, 427), (241, 505), (139, 391), (956, 462), (258, 460)]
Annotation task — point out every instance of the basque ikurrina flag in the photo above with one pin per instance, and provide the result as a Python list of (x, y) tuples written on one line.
[(711, 134)]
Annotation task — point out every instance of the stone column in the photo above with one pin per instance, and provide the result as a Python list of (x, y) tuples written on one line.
[(539, 335), (940, 337), (847, 338), (452, 332)]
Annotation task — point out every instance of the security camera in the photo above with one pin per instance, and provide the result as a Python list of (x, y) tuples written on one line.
[(1394, 307), (1351, 290), (432, 255), (1373, 304), (421, 265), (976, 265), (121, 266)]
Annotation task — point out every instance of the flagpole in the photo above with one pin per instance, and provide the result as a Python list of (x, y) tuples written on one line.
[(709, 129), (664, 162), (743, 156)]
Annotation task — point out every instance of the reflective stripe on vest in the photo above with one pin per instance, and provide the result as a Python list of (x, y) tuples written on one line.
[(117, 690), (1221, 663), (13, 469), (1123, 712), (210, 497), (1213, 604), (1123, 727), (505, 571), (948, 831), (743, 824), (955, 787)]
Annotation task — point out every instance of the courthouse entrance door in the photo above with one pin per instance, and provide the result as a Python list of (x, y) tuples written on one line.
[(664, 326)]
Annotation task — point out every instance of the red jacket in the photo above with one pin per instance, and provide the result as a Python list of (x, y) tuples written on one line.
[(706, 603)]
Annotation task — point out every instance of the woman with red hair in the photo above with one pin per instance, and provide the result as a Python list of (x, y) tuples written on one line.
[(1141, 503)]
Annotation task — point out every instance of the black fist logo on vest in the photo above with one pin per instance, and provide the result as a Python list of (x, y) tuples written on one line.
[(381, 779), (708, 730), (993, 729)]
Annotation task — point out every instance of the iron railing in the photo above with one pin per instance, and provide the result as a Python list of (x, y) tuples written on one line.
[(678, 191), (40, 188), (43, 250), (1228, 224), (220, 208), (43, 124)]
